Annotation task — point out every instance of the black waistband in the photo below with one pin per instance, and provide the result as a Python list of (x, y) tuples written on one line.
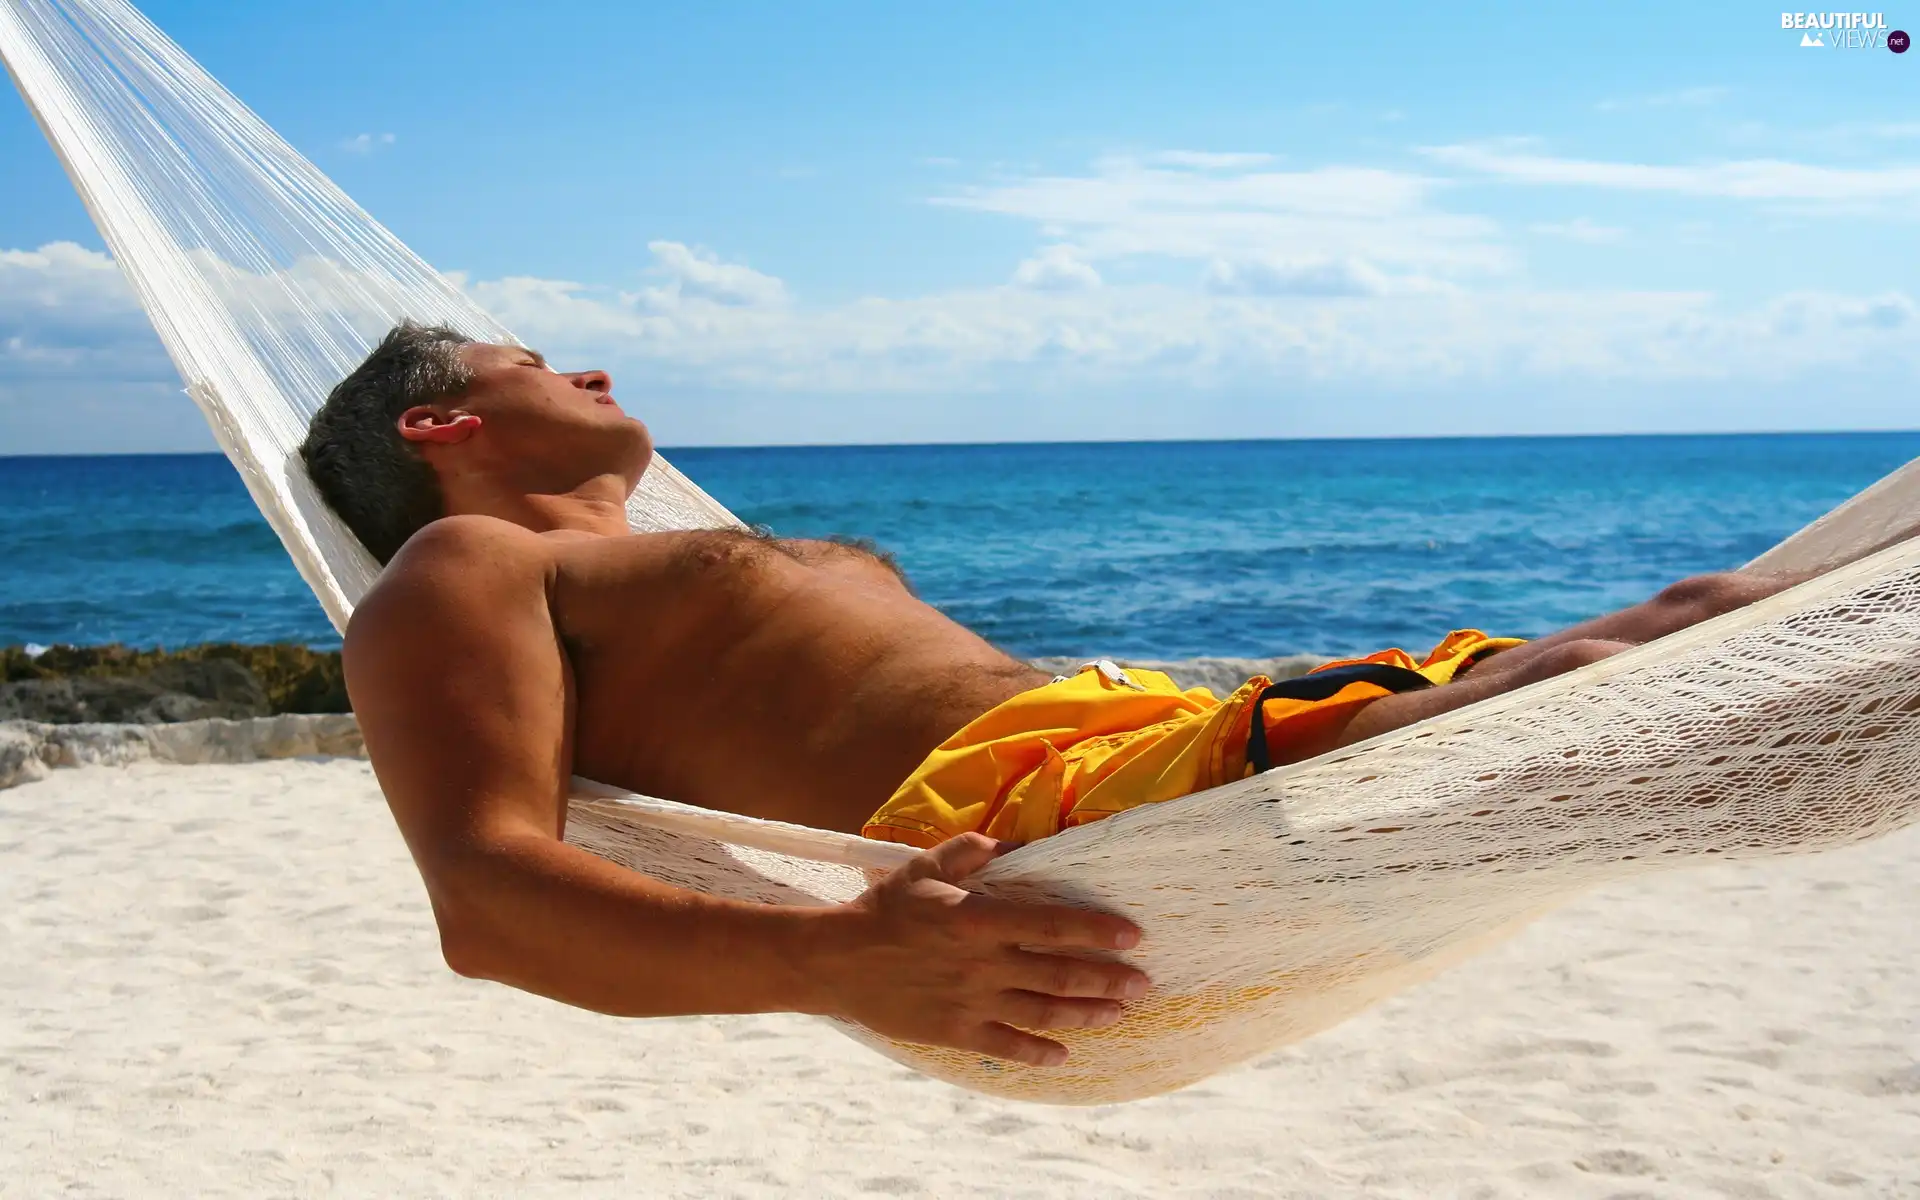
[(1320, 685)]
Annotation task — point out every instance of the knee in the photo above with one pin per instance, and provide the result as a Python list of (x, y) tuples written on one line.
[(1571, 656), (1710, 595)]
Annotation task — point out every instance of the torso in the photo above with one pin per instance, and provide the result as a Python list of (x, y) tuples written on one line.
[(789, 680)]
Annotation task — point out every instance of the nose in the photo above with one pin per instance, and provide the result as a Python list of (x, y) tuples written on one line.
[(592, 381)]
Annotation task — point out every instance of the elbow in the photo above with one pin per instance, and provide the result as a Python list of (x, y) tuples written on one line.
[(463, 953), (465, 944), (477, 894)]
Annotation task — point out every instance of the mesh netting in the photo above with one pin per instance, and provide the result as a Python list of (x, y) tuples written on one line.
[(1273, 908), (265, 282)]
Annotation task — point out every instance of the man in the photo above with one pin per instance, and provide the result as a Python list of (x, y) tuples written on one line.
[(521, 634)]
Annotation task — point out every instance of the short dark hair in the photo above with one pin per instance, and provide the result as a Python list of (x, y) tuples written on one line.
[(354, 453)]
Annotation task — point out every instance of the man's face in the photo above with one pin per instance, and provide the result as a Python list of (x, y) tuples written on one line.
[(533, 416)]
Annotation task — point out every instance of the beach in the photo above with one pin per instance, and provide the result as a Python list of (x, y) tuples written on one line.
[(220, 977), (224, 981), (951, 342)]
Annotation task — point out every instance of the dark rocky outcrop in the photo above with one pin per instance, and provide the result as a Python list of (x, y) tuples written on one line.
[(121, 685)]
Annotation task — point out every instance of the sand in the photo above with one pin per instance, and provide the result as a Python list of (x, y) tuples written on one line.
[(222, 980)]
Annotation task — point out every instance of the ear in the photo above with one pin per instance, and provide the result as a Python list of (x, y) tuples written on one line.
[(423, 423)]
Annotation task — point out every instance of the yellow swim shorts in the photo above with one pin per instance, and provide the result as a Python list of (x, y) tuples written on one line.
[(1104, 740)]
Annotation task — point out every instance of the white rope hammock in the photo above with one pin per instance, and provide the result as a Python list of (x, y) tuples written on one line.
[(1274, 907)]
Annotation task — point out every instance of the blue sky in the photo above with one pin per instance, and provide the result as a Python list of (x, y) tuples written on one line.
[(782, 223)]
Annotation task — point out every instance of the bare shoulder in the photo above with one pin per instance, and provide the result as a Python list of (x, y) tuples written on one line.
[(458, 681), (462, 590), (460, 543), (453, 564)]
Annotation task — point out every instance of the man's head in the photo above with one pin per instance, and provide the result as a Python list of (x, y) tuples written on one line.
[(434, 423)]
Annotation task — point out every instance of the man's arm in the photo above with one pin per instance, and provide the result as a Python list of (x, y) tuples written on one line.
[(463, 694)]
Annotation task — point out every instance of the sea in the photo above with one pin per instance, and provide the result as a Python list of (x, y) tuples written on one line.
[(1152, 550)]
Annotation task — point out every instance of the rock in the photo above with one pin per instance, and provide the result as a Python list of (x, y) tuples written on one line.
[(96, 745), (70, 701), (20, 760), (29, 749), (292, 678), (221, 682), (289, 735), (176, 691)]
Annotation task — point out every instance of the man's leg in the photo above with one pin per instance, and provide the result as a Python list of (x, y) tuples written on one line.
[(1675, 608), (1683, 604)]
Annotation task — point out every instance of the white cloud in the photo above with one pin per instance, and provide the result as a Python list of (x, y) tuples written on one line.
[(1754, 179), (1893, 310), (1057, 268), (66, 309), (1580, 229), (1233, 210), (1282, 283), (1858, 139), (698, 275), (1163, 337), (367, 143), (1309, 277), (65, 314), (80, 368), (57, 278)]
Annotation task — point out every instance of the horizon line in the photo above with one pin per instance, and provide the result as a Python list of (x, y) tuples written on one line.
[(1417, 437)]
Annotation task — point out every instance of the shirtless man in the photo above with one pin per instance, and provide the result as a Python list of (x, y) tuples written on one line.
[(523, 635)]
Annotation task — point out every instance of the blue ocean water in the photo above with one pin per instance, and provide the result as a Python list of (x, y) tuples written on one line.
[(1150, 549)]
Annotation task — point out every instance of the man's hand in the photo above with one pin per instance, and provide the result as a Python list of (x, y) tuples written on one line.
[(921, 959)]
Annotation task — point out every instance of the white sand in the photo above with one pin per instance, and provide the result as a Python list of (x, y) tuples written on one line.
[(223, 981)]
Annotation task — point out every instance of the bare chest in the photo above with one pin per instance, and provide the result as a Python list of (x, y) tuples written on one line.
[(786, 680)]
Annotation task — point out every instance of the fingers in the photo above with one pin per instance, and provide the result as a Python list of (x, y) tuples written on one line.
[(1028, 924), (1004, 1041), (1022, 1011), (1061, 926), (957, 858), (1017, 1011), (1057, 975), (1031, 1010)]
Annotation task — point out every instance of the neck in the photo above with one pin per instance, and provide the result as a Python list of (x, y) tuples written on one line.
[(597, 506)]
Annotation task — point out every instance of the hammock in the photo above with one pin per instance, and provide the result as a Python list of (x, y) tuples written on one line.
[(1274, 907)]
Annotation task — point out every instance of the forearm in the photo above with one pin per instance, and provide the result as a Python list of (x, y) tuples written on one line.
[(549, 918), (916, 957), (1406, 708)]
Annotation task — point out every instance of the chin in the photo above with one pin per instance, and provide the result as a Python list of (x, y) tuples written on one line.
[(640, 447)]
